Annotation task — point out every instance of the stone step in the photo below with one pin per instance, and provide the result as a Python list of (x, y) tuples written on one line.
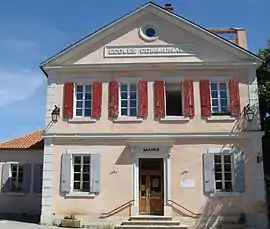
[(150, 217), (151, 222), (150, 227)]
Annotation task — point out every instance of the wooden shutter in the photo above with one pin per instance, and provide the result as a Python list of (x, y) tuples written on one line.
[(188, 98), (159, 99), (238, 170), (209, 173), (68, 100), (96, 99), (205, 98), (66, 173), (234, 97), (6, 179), (143, 99), (113, 99), (27, 178), (37, 183), (95, 173)]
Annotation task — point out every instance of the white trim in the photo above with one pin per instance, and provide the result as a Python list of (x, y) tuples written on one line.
[(244, 134), (173, 79), (128, 119), (128, 79), (82, 80), (77, 119), (175, 119), (220, 118), (142, 30), (225, 150)]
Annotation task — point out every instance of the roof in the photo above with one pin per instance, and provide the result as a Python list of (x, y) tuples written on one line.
[(149, 4), (24, 142)]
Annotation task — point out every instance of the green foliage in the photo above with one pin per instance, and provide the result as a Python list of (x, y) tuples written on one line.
[(263, 77)]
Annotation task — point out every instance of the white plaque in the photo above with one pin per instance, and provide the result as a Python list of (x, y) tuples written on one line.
[(149, 50), (187, 183)]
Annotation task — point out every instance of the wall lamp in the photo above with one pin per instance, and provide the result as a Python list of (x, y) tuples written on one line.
[(249, 113), (55, 113)]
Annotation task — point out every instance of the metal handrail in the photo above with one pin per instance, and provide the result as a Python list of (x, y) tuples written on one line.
[(107, 214), (196, 214)]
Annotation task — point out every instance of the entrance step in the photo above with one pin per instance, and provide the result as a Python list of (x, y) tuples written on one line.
[(139, 222)]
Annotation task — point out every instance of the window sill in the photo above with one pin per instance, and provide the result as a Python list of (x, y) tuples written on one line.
[(15, 193), (82, 119), (175, 118), (128, 119), (225, 194), (221, 118), (80, 194)]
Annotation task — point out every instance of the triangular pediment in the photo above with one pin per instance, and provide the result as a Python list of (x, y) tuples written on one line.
[(177, 40)]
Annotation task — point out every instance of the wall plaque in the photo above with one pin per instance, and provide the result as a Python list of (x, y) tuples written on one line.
[(149, 50), (150, 149)]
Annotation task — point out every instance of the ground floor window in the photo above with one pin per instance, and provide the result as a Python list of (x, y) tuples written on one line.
[(16, 178), (81, 173), (223, 172)]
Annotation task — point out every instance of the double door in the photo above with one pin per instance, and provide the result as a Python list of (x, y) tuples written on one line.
[(151, 187)]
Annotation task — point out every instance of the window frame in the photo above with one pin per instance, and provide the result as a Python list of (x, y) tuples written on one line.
[(128, 99), (222, 154), (83, 100), (76, 191), (18, 165), (219, 98), (182, 98)]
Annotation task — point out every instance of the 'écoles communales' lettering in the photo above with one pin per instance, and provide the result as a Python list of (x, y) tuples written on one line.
[(134, 51)]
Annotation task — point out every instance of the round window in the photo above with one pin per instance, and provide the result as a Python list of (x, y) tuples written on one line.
[(150, 32)]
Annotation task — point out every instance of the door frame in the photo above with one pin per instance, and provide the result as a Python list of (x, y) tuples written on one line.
[(164, 152)]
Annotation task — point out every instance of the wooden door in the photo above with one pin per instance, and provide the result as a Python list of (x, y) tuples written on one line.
[(151, 186)]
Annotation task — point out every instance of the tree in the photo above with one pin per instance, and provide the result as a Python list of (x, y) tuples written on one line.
[(263, 78)]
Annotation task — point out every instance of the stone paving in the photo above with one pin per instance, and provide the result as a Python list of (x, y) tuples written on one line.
[(8, 224)]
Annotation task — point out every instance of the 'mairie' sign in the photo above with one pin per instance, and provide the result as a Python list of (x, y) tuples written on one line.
[(150, 50)]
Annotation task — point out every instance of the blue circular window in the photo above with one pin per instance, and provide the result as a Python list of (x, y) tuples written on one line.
[(150, 32)]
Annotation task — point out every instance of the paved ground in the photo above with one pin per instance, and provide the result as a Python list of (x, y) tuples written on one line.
[(8, 224)]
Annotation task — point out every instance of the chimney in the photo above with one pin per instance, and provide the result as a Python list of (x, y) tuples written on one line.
[(168, 7), (241, 37)]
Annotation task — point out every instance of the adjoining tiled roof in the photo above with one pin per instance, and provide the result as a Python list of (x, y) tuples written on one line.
[(23, 142)]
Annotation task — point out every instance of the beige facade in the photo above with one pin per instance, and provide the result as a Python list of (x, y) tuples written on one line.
[(115, 147)]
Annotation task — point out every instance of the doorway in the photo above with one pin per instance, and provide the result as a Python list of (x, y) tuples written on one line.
[(151, 186)]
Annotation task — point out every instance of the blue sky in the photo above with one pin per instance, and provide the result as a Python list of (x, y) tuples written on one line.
[(32, 31)]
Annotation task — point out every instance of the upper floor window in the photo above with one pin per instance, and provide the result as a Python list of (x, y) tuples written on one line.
[(83, 100), (219, 98), (223, 172), (173, 99), (128, 99)]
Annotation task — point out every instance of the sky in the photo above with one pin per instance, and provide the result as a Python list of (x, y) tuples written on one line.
[(32, 31)]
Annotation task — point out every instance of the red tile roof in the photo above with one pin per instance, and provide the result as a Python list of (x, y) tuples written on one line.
[(23, 142)]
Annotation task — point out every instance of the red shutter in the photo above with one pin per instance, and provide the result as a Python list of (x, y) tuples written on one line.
[(68, 100), (159, 99), (113, 99), (205, 98), (143, 99), (188, 98), (96, 99), (234, 97)]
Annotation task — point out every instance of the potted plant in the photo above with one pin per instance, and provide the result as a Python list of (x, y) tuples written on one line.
[(71, 221)]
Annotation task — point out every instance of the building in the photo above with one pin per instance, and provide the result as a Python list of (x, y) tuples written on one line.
[(152, 122), (21, 162)]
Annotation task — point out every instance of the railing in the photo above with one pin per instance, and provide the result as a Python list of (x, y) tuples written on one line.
[(118, 209), (180, 206)]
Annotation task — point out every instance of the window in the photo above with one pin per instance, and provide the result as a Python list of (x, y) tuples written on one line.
[(16, 178), (219, 99), (174, 102), (128, 99), (83, 100), (223, 172), (81, 173)]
